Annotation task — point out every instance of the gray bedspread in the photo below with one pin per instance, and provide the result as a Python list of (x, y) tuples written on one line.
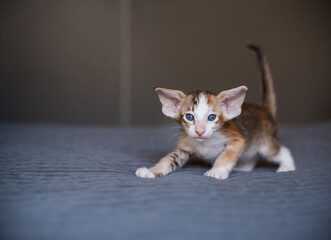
[(69, 182)]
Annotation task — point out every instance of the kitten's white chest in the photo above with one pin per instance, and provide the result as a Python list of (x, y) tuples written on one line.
[(209, 153), (210, 149)]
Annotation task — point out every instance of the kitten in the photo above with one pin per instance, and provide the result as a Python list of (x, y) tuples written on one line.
[(222, 129)]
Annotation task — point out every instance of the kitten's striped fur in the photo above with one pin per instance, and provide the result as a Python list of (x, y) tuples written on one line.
[(236, 138)]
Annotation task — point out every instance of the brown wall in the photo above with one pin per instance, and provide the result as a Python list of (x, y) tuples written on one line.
[(60, 60)]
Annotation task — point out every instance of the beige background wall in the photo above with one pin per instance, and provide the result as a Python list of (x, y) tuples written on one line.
[(60, 60)]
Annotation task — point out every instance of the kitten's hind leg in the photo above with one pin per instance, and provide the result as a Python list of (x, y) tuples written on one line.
[(285, 159), (247, 166), (165, 166), (277, 153)]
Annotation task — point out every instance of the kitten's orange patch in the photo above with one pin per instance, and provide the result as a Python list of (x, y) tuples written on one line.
[(235, 145), (231, 131)]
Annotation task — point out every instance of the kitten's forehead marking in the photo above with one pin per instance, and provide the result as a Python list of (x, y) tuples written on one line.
[(202, 108)]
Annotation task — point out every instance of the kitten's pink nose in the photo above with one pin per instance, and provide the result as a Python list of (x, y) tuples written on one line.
[(199, 132)]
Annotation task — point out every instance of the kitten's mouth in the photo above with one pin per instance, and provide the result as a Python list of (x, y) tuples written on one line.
[(200, 139)]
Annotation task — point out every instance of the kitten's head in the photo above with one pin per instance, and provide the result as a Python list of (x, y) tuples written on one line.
[(201, 113)]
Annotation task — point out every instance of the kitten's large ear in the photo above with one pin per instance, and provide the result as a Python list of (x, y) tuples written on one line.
[(171, 100), (230, 101)]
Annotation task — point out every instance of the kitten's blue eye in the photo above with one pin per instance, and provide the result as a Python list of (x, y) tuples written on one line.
[(189, 117), (211, 117)]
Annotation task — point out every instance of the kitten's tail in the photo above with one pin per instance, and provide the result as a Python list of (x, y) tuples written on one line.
[(267, 87)]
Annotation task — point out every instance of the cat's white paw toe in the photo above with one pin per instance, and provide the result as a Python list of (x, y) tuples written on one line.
[(286, 168), (144, 173), (217, 173)]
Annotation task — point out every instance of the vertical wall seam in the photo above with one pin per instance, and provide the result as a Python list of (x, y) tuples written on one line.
[(125, 63)]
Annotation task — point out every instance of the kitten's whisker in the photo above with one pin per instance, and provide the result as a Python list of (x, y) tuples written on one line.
[(175, 135), (175, 127)]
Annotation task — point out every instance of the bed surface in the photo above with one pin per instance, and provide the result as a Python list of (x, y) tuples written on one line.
[(69, 182)]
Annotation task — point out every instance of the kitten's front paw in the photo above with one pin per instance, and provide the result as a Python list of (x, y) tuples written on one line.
[(286, 168), (217, 173), (144, 173)]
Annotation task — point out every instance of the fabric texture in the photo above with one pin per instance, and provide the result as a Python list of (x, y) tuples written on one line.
[(77, 182)]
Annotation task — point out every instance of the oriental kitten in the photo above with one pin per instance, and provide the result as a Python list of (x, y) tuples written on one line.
[(223, 129)]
